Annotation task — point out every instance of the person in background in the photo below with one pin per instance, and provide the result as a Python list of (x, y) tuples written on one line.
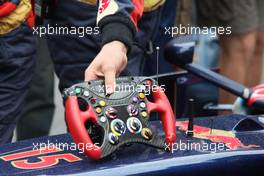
[(17, 59), (241, 54), (37, 114), (124, 42), (76, 59), (91, 57)]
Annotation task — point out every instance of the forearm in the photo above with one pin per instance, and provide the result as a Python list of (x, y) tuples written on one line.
[(118, 19)]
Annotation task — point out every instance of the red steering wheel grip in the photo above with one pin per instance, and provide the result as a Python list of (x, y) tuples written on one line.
[(76, 123), (7, 8), (162, 105)]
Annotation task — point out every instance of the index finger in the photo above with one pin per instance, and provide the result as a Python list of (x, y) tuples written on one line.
[(110, 82)]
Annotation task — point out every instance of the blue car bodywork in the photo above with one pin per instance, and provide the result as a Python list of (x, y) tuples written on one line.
[(246, 156)]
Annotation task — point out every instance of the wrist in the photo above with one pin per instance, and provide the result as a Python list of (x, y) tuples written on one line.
[(116, 45), (117, 28)]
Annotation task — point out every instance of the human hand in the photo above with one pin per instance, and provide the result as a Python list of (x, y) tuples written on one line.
[(109, 63)]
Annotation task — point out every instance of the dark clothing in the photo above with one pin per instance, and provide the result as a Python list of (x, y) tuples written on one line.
[(112, 16), (72, 54), (167, 18), (2, 1), (17, 57), (39, 106)]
